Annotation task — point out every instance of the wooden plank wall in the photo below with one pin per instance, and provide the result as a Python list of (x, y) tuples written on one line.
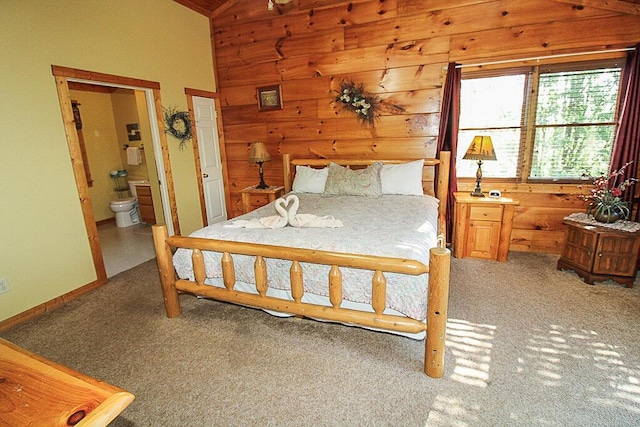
[(399, 50)]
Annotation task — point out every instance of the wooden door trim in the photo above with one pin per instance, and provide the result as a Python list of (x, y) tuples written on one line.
[(196, 159), (77, 164), (221, 145), (61, 75)]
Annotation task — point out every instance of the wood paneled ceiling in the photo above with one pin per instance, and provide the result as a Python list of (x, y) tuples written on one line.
[(212, 8)]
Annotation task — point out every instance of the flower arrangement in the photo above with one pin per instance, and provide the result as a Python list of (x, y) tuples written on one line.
[(353, 97), (606, 203)]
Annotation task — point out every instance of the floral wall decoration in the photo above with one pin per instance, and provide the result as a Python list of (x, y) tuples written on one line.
[(354, 98), (366, 106), (178, 124)]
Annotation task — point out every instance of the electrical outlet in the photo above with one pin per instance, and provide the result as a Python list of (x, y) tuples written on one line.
[(4, 285)]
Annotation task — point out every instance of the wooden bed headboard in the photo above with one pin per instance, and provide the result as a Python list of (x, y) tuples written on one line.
[(435, 181)]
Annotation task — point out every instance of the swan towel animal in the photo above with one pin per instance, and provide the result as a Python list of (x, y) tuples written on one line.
[(273, 221), (288, 215)]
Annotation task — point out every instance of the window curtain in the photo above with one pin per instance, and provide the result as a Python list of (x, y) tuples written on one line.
[(627, 141), (448, 133)]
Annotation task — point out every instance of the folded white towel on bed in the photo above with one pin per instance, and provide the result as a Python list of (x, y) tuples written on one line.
[(308, 220), (273, 221), (287, 209)]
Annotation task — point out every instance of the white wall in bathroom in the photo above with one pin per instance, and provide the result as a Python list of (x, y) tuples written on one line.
[(125, 111), (101, 140)]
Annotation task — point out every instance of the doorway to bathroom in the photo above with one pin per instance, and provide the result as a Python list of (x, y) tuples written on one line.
[(114, 130), (66, 79)]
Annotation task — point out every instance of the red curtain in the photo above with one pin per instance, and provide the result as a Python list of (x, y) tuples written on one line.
[(448, 133), (627, 141)]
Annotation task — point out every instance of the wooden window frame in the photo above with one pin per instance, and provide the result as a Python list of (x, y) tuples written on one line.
[(528, 122)]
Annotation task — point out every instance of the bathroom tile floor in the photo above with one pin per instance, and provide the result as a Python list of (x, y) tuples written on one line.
[(126, 247)]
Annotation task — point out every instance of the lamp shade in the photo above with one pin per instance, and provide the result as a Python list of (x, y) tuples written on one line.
[(258, 153), (481, 148)]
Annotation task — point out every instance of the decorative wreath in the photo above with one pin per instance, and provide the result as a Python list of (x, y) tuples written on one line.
[(178, 124), (354, 98)]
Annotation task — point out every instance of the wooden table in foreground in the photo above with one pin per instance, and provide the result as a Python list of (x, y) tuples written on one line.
[(35, 391)]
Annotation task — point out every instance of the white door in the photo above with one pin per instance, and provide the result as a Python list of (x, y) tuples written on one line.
[(212, 182)]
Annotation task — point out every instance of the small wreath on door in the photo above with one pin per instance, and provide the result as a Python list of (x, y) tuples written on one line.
[(178, 124)]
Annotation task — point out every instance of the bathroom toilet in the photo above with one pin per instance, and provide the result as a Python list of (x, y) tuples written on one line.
[(126, 211)]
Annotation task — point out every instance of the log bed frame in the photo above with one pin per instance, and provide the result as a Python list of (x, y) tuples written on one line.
[(438, 269)]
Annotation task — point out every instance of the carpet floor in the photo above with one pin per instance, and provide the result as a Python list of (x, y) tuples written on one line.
[(527, 345)]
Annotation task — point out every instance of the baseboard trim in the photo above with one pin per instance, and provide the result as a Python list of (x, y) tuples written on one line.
[(51, 305), (105, 221)]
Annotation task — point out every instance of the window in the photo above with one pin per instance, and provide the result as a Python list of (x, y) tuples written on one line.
[(546, 122)]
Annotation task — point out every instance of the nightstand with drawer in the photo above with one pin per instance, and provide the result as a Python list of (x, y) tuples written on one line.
[(482, 226), (253, 198)]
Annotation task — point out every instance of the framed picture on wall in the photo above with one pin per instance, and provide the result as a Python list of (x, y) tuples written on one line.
[(269, 98), (133, 132)]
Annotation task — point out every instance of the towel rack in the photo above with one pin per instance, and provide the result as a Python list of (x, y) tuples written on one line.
[(125, 146)]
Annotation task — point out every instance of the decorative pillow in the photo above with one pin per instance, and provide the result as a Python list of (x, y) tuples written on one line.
[(404, 178), (342, 181), (309, 180)]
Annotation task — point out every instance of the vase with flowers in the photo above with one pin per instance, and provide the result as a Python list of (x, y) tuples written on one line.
[(605, 198)]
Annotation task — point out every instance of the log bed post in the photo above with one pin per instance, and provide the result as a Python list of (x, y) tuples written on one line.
[(286, 170), (442, 191), (167, 273), (437, 307)]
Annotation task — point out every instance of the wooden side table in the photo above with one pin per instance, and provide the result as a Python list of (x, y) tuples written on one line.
[(597, 253), (37, 391), (483, 226), (253, 198)]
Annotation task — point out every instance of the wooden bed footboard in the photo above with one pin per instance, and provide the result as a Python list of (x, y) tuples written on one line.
[(438, 291)]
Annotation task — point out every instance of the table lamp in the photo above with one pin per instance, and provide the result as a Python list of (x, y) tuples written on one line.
[(259, 154), (481, 149)]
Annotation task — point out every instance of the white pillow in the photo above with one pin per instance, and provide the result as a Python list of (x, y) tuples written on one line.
[(404, 178), (310, 180)]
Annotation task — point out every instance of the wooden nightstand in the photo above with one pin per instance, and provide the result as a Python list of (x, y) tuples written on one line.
[(598, 253), (483, 226), (253, 198)]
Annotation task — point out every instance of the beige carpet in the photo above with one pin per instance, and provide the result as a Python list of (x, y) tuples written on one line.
[(527, 345)]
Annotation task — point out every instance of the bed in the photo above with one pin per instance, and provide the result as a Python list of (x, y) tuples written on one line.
[(380, 262)]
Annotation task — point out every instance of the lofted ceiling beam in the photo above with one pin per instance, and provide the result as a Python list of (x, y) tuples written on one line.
[(612, 5), (213, 8), (223, 7), (203, 7)]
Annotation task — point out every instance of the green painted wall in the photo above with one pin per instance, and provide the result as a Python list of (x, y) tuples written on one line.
[(44, 251)]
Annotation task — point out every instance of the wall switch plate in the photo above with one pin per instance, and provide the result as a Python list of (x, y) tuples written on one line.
[(4, 285)]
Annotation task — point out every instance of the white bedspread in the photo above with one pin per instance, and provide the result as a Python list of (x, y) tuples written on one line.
[(392, 226)]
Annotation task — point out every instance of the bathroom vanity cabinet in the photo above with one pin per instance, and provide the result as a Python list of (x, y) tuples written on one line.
[(145, 204)]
